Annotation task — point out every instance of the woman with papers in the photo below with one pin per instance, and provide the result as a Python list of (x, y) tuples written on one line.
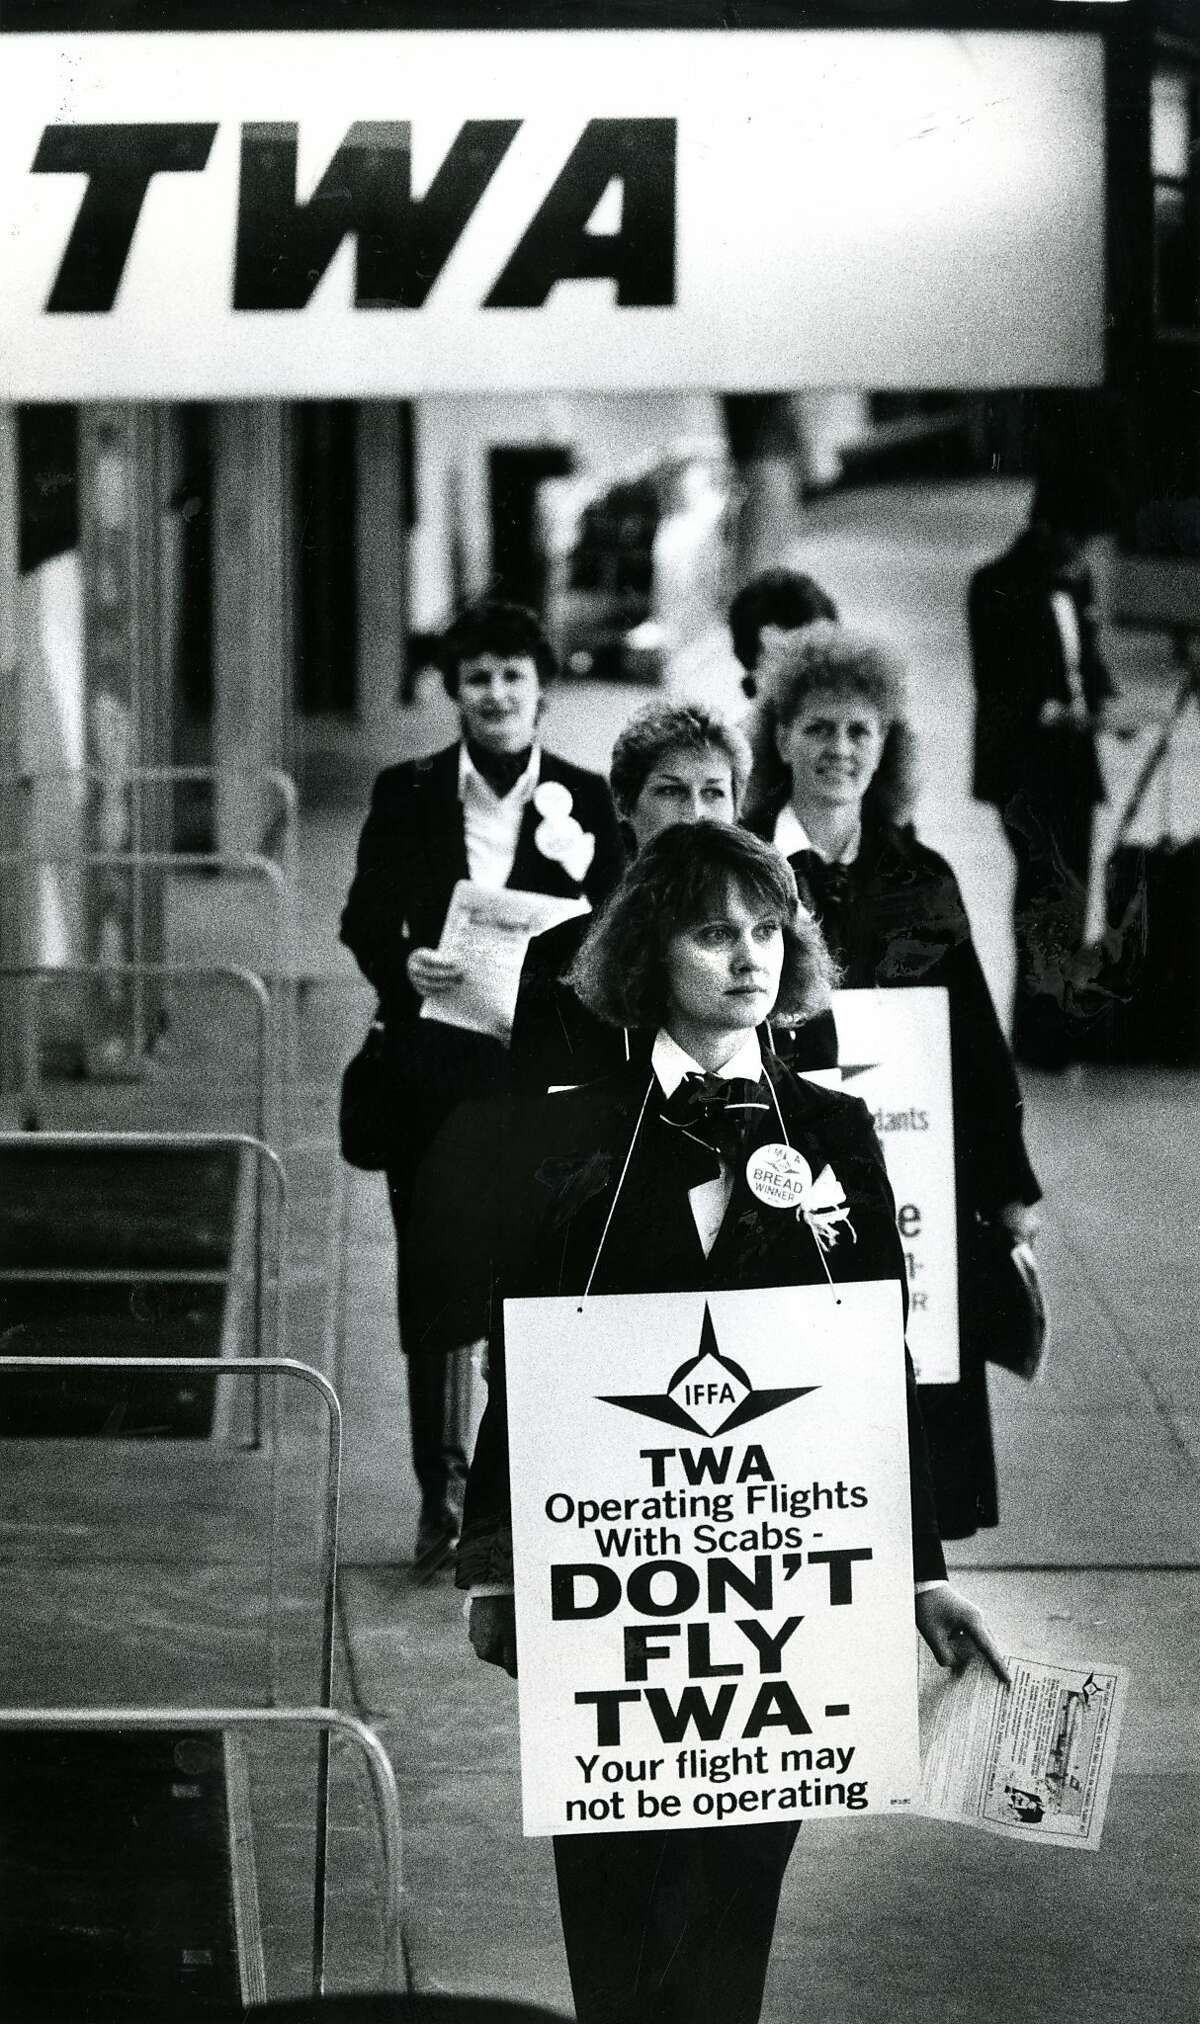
[(494, 813)]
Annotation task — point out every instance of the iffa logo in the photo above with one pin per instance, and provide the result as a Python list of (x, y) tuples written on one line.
[(709, 1394), (402, 242)]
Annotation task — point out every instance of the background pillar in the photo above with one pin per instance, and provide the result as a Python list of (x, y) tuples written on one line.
[(127, 716), (381, 551), (253, 672)]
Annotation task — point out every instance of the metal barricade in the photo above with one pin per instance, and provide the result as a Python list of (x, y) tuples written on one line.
[(36, 979), (258, 1367), (278, 970), (325, 1720), (134, 778), (141, 782), (268, 1311)]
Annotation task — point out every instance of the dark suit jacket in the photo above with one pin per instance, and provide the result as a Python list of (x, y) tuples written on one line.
[(894, 918), (1018, 664), (558, 1161), (412, 852), (557, 1042)]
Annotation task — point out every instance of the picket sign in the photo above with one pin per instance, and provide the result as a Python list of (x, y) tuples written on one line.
[(713, 1554), (894, 1052)]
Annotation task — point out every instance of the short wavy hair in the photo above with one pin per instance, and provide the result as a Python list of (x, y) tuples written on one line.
[(834, 660), (658, 728), (782, 597), (494, 626), (620, 972)]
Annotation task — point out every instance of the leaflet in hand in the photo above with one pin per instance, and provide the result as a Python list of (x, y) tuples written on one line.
[(1034, 1760), (487, 930)]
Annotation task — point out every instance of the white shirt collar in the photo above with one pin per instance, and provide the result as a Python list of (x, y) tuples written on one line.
[(670, 1063), (791, 836), (472, 785)]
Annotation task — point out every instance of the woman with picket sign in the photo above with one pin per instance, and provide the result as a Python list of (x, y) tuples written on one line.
[(645, 1182), (891, 910)]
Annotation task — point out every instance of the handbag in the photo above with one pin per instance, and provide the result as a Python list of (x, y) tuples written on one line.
[(400, 1087), (366, 1105), (1006, 1293)]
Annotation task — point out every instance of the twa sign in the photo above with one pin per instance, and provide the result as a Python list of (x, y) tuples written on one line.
[(405, 213)]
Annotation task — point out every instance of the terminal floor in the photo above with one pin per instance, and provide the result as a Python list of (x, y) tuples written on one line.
[(1097, 1555)]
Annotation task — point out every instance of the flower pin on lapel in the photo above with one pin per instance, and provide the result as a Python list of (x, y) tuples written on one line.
[(826, 1211), (558, 835), (782, 1178)]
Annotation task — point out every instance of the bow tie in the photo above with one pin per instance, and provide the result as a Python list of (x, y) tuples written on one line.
[(825, 885), (713, 1116)]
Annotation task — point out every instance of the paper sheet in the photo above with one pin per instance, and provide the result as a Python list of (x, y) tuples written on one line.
[(488, 930), (1034, 1760)]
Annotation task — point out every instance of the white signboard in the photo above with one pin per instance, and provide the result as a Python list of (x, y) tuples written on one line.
[(405, 213), (712, 1540), (894, 1052)]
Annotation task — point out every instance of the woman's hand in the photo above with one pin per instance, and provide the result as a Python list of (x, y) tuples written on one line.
[(492, 1629), (953, 1629), (429, 973), (1020, 1219)]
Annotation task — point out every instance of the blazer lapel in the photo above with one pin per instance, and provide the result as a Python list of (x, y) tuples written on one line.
[(531, 871), (757, 1245), (652, 1244), (443, 842)]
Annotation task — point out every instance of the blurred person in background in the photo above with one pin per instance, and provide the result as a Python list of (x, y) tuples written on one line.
[(1041, 691), (765, 616), (893, 916), (498, 808)]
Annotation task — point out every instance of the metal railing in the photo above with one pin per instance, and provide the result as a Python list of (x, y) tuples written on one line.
[(138, 782), (35, 979), (258, 1367), (268, 1312), (134, 778), (325, 1720)]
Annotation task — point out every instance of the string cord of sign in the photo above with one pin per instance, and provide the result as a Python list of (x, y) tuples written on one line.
[(612, 1207)]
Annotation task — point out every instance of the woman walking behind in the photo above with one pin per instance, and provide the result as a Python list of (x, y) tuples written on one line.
[(893, 916), (498, 808)]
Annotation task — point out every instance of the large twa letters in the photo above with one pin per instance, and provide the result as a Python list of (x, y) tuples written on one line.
[(402, 243), (118, 162), (373, 215)]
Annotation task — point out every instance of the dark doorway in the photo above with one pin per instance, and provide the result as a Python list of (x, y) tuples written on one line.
[(326, 585), (514, 474)]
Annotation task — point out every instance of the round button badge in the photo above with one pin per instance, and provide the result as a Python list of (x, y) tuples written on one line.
[(779, 1176)]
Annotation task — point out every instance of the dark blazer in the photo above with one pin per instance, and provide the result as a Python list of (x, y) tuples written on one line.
[(1018, 664), (412, 852), (896, 917), (557, 1042), (555, 1188)]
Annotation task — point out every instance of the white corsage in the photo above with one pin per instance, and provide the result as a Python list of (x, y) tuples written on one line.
[(826, 1211), (780, 1176), (558, 835)]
